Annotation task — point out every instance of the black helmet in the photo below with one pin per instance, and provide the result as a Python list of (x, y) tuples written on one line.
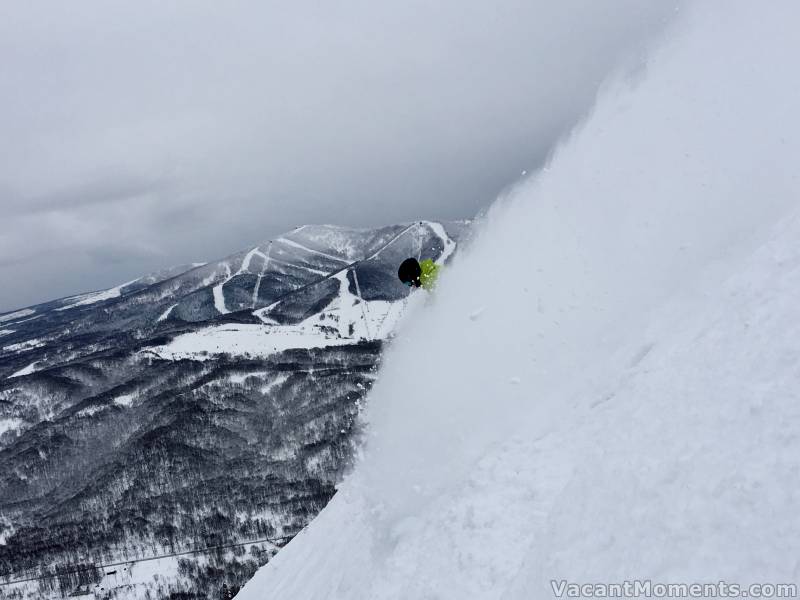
[(409, 272)]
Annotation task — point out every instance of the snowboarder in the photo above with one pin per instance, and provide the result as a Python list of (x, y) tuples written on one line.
[(418, 274)]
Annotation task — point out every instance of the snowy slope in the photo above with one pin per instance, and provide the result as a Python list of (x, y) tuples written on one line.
[(618, 398)]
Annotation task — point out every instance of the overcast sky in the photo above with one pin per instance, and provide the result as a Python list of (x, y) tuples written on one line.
[(138, 135)]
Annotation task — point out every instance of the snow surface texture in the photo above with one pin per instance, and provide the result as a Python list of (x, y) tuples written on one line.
[(618, 397)]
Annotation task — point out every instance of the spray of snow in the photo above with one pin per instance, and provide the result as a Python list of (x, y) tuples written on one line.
[(617, 398)]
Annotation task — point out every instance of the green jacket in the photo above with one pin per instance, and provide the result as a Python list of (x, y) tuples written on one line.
[(430, 271)]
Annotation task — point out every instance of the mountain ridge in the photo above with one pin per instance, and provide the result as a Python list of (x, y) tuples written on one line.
[(127, 431)]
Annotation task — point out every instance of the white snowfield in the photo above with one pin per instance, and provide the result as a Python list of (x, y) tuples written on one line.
[(347, 320), (15, 316), (620, 397), (31, 368), (94, 297)]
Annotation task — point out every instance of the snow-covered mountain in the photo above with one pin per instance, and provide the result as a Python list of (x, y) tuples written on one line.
[(619, 399), (204, 406)]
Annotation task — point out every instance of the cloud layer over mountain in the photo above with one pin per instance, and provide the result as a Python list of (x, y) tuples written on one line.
[(145, 135)]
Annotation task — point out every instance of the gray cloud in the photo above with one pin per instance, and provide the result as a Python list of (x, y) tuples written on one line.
[(141, 135), (104, 189)]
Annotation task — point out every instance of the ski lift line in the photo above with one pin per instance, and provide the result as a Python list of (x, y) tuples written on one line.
[(275, 541), (256, 287), (386, 316), (296, 266), (364, 309), (393, 240), (344, 268), (293, 244), (264, 267)]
